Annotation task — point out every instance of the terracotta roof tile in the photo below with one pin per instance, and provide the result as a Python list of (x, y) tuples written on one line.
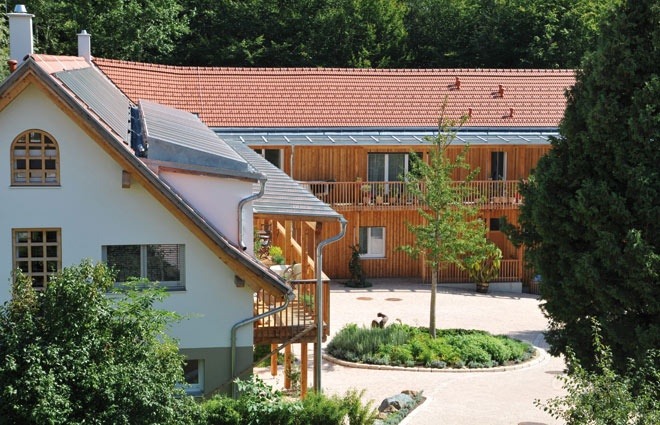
[(337, 97)]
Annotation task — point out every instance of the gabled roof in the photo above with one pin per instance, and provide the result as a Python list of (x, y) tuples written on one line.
[(43, 71), (326, 98)]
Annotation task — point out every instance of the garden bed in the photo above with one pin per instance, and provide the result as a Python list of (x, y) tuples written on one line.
[(408, 346)]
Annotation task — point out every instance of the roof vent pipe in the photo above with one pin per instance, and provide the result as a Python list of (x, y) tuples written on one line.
[(457, 83), (469, 112), (21, 42), (510, 112), (85, 46), (501, 91)]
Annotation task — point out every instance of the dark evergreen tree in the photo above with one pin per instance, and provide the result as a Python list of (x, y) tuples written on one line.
[(591, 219)]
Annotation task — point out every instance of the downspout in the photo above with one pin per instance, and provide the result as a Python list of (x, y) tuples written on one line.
[(241, 205), (289, 296), (319, 302)]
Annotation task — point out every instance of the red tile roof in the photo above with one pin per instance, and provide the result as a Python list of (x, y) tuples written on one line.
[(318, 97)]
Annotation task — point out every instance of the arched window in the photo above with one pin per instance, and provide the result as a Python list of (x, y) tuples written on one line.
[(35, 160)]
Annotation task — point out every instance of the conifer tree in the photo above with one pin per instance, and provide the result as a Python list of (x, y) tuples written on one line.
[(591, 218)]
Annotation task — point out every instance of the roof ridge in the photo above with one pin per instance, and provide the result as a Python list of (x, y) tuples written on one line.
[(343, 70)]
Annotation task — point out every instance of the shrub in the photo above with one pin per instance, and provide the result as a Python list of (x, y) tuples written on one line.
[(221, 410), (405, 345), (321, 410)]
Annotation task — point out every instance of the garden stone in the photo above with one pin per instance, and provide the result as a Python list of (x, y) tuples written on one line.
[(397, 402)]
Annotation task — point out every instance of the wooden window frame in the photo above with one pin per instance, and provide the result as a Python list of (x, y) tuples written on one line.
[(30, 259), (178, 285), (30, 175)]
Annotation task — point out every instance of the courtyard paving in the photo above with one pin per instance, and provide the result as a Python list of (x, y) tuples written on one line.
[(493, 397)]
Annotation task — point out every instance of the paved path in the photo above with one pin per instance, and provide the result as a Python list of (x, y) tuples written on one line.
[(493, 398)]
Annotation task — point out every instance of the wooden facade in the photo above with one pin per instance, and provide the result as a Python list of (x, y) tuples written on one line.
[(338, 175)]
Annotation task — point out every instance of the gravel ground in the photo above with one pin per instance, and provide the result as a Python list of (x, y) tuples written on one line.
[(502, 397)]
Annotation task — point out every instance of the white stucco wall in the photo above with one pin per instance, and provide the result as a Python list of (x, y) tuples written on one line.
[(217, 203), (92, 210)]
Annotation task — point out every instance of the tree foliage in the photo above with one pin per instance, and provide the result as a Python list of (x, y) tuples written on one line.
[(603, 396), (450, 229), (591, 218), (137, 30), (327, 33), (79, 352)]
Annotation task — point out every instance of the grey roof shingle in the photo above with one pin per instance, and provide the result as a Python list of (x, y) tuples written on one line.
[(284, 196)]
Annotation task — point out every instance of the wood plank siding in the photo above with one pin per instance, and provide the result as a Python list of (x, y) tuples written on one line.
[(338, 176)]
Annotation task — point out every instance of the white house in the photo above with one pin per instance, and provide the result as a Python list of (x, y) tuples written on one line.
[(147, 188)]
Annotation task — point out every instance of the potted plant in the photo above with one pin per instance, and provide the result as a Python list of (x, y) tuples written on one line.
[(380, 192), (366, 193), (483, 265), (394, 195)]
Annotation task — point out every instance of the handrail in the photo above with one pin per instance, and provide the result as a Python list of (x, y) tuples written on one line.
[(482, 193)]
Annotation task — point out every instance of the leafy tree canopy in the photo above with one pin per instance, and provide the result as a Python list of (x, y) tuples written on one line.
[(591, 218), (328, 33), (137, 30), (80, 352)]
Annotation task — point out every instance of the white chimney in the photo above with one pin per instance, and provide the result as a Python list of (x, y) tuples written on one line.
[(85, 45), (20, 33)]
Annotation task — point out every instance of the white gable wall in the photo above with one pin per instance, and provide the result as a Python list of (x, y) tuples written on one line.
[(217, 203), (92, 209)]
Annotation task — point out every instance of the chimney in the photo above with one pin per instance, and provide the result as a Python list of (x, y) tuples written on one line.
[(20, 33), (85, 45)]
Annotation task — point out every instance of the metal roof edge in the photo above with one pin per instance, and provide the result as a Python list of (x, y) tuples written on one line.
[(377, 130)]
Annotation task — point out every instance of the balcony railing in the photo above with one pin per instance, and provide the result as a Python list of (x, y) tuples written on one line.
[(484, 193), (298, 321)]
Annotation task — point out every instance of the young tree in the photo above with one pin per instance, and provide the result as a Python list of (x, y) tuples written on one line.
[(591, 217), (450, 229), (76, 353)]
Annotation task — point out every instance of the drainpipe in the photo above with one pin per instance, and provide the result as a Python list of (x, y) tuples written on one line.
[(290, 296), (241, 205), (319, 302)]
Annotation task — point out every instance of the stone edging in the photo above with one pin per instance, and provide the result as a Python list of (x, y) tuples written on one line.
[(541, 355)]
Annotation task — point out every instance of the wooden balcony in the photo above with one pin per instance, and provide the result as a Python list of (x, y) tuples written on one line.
[(295, 324), (487, 194)]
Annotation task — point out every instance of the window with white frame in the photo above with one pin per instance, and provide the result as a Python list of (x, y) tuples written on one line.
[(37, 253), (193, 373), (498, 165), (384, 167), (163, 263), (372, 242)]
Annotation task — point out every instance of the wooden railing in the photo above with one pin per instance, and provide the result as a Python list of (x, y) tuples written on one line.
[(484, 193), (297, 320), (509, 272)]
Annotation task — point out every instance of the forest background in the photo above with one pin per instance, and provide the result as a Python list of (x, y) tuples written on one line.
[(322, 33)]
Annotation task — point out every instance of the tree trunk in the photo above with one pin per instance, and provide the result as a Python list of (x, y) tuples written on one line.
[(434, 290)]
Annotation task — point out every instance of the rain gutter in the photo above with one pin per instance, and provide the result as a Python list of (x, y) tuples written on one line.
[(318, 363), (242, 204), (289, 296)]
